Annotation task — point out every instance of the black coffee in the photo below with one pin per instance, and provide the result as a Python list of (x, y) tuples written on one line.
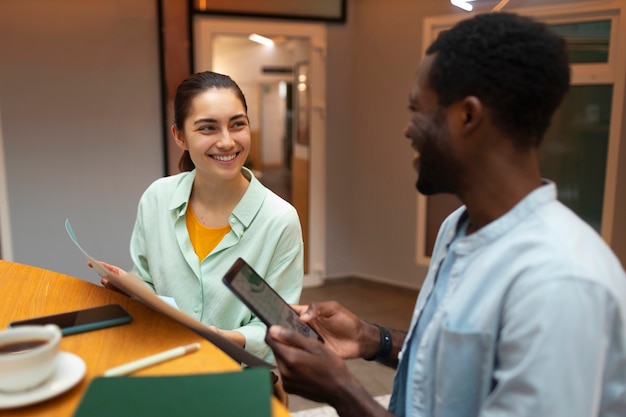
[(13, 348)]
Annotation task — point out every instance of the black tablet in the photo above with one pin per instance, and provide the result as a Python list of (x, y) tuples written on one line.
[(263, 300)]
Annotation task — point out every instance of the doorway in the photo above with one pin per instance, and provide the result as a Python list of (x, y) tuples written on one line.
[(265, 74), (275, 137)]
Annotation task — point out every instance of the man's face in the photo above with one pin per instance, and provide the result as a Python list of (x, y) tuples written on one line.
[(428, 131)]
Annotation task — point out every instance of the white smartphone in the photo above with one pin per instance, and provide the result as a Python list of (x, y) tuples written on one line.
[(84, 320), (263, 300)]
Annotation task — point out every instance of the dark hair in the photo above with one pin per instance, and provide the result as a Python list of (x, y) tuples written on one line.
[(516, 66), (194, 85)]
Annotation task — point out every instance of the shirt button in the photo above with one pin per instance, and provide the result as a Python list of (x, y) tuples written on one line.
[(195, 310), (233, 220)]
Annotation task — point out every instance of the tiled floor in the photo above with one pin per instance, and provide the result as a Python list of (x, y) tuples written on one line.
[(379, 303)]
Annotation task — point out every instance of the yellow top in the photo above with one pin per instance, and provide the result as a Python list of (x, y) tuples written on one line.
[(203, 239)]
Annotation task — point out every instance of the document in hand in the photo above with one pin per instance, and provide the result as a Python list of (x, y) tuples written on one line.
[(236, 394), (135, 287)]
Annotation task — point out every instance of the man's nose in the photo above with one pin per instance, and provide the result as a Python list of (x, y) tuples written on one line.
[(406, 132)]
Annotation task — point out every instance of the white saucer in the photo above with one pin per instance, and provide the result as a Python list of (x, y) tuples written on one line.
[(70, 370)]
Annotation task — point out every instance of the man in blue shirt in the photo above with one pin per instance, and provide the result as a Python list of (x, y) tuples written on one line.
[(523, 310)]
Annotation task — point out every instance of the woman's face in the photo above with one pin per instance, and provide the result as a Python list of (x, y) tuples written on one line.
[(216, 133)]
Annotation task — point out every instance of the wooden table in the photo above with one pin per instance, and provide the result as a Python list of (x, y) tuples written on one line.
[(28, 291)]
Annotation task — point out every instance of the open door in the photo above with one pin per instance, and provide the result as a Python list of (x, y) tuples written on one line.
[(309, 137)]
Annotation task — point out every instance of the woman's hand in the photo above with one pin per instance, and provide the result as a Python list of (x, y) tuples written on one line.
[(232, 335), (113, 270)]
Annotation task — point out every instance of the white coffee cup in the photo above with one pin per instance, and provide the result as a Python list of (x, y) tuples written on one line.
[(28, 356)]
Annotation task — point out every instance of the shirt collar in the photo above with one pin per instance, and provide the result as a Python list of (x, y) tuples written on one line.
[(252, 200), (540, 196), (180, 198), (246, 209)]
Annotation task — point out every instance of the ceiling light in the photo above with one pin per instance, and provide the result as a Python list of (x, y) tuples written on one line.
[(463, 4), (261, 39)]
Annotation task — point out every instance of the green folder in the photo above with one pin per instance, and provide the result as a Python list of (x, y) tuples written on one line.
[(242, 393)]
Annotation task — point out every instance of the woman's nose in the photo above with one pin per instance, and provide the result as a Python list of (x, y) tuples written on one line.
[(226, 140)]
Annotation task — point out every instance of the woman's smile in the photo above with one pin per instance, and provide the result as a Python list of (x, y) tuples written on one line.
[(225, 158)]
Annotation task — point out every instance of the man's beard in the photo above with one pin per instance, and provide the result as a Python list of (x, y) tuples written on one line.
[(435, 174), (424, 187)]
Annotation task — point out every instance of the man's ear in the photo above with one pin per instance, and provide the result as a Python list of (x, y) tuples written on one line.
[(179, 138), (472, 113)]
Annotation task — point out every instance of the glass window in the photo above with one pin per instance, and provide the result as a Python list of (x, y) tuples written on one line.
[(588, 42), (574, 151)]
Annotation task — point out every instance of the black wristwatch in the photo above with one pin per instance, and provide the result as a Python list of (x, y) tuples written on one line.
[(384, 348)]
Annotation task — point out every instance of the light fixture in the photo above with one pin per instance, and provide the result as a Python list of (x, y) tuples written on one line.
[(261, 39), (463, 4)]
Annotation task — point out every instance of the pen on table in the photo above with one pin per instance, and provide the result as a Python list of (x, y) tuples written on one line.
[(133, 366)]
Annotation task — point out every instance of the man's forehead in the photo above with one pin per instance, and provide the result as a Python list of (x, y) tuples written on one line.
[(421, 79), (423, 69)]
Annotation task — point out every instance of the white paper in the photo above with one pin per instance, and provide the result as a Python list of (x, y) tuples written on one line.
[(169, 300), (101, 270)]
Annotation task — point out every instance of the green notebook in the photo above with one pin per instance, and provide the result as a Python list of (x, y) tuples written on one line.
[(244, 393)]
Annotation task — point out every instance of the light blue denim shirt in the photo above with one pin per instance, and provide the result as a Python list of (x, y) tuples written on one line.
[(532, 321), (265, 232)]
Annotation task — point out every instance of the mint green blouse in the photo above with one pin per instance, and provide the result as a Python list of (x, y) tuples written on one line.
[(266, 232)]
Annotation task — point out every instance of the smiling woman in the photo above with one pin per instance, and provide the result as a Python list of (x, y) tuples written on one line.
[(192, 226)]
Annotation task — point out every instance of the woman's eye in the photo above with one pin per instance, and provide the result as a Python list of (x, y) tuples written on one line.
[(206, 128)]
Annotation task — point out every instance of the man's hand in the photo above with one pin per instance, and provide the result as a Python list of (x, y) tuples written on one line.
[(312, 370), (308, 367), (343, 332)]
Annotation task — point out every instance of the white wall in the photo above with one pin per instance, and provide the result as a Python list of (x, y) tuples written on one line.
[(80, 93)]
